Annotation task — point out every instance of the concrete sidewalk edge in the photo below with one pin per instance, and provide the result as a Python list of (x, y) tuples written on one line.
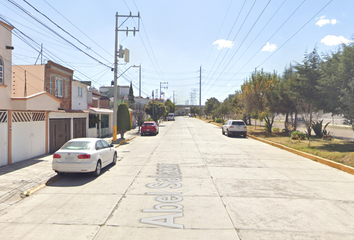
[(327, 162), (52, 179)]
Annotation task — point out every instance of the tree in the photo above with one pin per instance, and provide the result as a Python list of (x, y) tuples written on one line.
[(139, 114), (262, 97), (287, 103), (210, 105), (170, 107), (131, 100), (347, 100), (123, 119), (195, 110), (155, 109), (223, 110), (307, 87)]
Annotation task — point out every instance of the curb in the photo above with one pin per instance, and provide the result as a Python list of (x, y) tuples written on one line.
[(57, 177), (327, 162), (40, 186)]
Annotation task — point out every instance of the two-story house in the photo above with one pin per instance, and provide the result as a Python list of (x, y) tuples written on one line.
[(23, 119), (50, 77)]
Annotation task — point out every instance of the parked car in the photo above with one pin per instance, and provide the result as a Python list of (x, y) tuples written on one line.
[(149, 128), (84, 155), (234, 127), (171, 117)]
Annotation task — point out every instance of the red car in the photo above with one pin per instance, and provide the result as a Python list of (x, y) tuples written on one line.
[(149, 128)]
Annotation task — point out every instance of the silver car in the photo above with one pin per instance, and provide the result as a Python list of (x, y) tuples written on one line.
[(234, 127), (84, 155)]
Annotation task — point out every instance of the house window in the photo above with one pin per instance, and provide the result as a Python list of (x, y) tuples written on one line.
[(1, 72), (79, 91), (58, 87), (51, 85), (66, 89)]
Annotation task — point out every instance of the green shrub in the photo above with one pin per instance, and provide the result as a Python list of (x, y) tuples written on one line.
[(149, 120), (123, 119), (298, 135), (218, 120), (275, 129), (267, 128)]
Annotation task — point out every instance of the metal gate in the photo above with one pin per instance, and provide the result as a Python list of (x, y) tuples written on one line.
[(59, 133), (79, 127)]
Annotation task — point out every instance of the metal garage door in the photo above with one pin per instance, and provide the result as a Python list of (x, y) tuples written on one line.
[(59, 133), (79, 127)]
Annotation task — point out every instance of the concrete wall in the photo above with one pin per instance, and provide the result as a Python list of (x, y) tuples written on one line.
[(79, 103), (32, 75), (6, 58), (3, 138)]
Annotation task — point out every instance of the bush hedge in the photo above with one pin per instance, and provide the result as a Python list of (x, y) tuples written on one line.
[(218, 120), (298, 135)]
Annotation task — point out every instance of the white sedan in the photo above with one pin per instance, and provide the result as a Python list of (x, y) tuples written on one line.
[(84, 155)]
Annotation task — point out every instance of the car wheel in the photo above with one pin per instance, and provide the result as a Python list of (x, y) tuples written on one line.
[(60, 173), (223, 132), (97, 172), (244, 135), (114, 162)]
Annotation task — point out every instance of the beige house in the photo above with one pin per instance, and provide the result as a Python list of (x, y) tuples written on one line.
[(50, 77)]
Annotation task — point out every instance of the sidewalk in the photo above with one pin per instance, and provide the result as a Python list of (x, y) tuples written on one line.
[(20, 179)]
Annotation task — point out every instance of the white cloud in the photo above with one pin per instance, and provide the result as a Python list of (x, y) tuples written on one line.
[(323, 21), (331, 40), (269, 47), (223, 43)]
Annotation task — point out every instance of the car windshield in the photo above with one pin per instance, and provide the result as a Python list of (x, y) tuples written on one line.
[(77, 145), (148, 124), (238, 123)]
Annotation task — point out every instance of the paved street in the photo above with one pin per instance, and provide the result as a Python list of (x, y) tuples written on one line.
[(190, 182)]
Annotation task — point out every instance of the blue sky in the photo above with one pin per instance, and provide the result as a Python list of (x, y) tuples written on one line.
[(228, 39)]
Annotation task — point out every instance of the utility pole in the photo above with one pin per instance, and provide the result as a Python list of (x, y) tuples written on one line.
[(153, 104), (115, 97), (200, 88), (140, 80), (163, 85)]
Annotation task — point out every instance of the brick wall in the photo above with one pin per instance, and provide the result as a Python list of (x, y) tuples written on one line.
[(55, 71)]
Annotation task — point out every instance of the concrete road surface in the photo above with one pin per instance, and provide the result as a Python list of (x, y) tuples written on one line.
[(190, 182)]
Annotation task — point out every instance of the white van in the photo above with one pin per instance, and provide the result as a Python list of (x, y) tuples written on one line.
[(171, 117)]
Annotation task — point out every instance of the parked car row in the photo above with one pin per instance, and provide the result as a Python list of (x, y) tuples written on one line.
[(81, 155)]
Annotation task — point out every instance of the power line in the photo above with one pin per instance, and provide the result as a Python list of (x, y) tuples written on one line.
[(77, 28), (241, 43), (228, 37), (40, 22), (291, 36)]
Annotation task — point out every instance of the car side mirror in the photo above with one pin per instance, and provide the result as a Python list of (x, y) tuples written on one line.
[(111, 145)]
